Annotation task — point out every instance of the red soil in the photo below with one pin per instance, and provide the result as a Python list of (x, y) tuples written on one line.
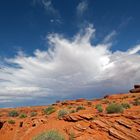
[(86, 124)]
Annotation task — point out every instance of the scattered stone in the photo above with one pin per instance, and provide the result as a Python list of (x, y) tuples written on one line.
[(33, 125), (1, 124), (80, 100), (20, 124), (106, 96)]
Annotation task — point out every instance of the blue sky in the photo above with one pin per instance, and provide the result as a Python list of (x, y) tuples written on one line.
[(43, 49)]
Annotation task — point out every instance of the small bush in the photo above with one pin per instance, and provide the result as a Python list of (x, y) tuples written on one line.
[(80, 108), (105, 101), (50, 135), (71, 136), (62, 113), (33, 114), (100, 109), (23, 115), (98, 105), (13, 113), (72, 111), (69, 107), (125, 105), (136, 102), (11, 121), (49, 110), (114, 108)]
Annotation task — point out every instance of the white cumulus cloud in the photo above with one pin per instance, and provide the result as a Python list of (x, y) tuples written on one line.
[(69, 67)]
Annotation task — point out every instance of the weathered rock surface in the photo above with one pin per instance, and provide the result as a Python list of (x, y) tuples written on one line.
[(78, 117), (86, 124), (136, 89)]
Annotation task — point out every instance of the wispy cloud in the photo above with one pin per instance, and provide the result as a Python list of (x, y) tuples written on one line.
[(82, 7), (69, 67), (109, 37), (48, 6)]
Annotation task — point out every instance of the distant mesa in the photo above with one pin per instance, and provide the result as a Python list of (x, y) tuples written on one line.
[(136, 89)]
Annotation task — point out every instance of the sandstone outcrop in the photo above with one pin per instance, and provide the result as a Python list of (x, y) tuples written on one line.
[(87, 124), (136, 89)]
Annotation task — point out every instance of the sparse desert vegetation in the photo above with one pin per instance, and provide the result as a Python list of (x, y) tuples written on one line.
[(11, 121), (136, 102), (80, 108), (99, 108), (23, 115), (62, 113), (114, 108), (49, 110), (50, 135), (72, 111), (125, 105), (13, 113), (75, 119), (32, 114)]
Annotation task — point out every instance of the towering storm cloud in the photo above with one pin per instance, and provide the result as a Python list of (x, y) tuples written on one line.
[(69, 67)]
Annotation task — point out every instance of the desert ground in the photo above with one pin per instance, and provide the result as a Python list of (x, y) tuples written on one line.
[(79, 119)]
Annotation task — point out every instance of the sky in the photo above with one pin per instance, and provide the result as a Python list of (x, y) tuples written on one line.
[(66, 49)]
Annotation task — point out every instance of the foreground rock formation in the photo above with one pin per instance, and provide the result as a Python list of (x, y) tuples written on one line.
[(86, 124)]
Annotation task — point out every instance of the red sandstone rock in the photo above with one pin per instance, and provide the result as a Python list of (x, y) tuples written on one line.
[(85, 124), (136, 90), (136, 86)]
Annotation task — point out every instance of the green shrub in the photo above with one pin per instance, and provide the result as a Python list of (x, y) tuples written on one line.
[(98, 105), (72, 111), (114, 108), (62, 113), (100, 109), (136, 102), (69, 107), (80, 108), (105, 101), (13, 113), (11, 121), (49, 110), (71, 136), (23, 115), (33, 114), (50, 135), (125, 105)]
